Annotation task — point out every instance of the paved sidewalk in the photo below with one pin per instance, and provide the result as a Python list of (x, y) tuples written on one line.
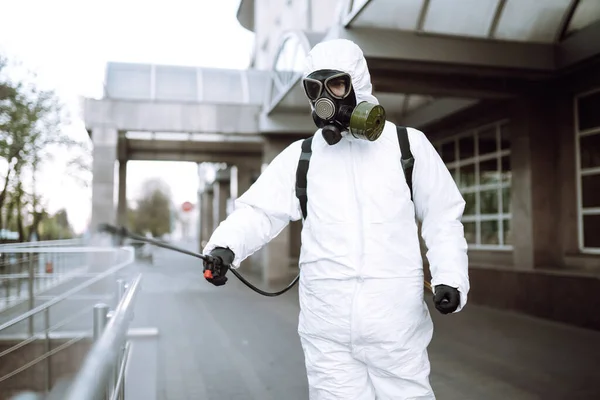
[(231, 343)]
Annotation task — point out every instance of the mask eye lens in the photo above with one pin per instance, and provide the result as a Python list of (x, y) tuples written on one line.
[(312, 89), (339, 86)]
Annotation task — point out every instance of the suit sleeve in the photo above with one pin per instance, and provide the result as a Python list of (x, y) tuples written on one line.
[(263, 211), (439, 206)]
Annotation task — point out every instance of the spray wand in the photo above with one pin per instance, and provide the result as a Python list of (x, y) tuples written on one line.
[(211, 264)]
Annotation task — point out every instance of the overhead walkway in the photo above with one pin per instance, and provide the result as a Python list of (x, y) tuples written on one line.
[(178, 99)]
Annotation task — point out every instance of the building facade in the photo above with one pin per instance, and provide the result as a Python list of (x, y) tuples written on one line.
[(509, 93)]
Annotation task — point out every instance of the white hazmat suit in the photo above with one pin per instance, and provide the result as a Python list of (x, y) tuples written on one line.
[(363, 324)]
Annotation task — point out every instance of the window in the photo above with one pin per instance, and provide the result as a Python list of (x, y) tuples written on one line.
[(288, 67), (479, 161), (587, 111)]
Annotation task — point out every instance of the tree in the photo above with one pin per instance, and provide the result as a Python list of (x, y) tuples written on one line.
[(56, 227), (153, 211), (31, 122)]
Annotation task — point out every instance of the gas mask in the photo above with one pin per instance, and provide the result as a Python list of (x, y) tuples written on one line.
[(334, 107)]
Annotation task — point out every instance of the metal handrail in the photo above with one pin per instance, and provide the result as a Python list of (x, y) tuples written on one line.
[(44, 309), (42, 243), (90, 383), (69, 293)]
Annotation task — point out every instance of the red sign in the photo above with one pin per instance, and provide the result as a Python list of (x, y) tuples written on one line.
[(187, 206)]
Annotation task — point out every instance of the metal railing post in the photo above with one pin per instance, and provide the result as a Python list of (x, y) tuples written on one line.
[(36, 271), (55, 259), (96, 378), (7, 283), (101, 318), (20, 271), (110, 380), (121, 289), (30, 294), (47, 345)]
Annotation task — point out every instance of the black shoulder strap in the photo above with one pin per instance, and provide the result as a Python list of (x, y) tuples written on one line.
[(302, 172), (407, 159)]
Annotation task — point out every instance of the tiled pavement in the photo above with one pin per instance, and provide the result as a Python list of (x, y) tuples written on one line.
[(231, 343)]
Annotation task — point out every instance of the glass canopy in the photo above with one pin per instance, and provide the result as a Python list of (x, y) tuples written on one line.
[(534, 21)]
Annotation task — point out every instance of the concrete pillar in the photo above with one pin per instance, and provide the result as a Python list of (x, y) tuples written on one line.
[(535, 187), (233, 182), (221, 194), (567, 175), (104, 140), (244, 178), (122, 202), (206, 214), (103, 180), (275, 257), (201, 186)]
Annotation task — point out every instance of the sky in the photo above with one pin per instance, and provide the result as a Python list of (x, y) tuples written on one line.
[(67, 43)]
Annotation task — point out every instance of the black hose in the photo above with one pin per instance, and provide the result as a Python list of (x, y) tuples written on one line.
[(113, 230)]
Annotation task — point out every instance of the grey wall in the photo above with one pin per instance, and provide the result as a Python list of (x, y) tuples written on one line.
[(546, 275)]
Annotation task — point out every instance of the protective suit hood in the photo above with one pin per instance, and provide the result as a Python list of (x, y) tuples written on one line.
[(343, 55)]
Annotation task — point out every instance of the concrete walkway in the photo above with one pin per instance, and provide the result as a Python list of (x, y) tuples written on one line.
[(231, 343)]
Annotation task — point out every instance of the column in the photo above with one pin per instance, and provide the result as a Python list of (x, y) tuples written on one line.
[(275, 256), (103, 176), (221, 194), (199, 222), (245, 175), (104, 140), (535, 183), (234, 193), (206, 214), (233, 182), (122, 203), (567, 175)]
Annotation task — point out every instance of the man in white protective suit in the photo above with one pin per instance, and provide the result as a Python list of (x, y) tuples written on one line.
[(364, 325)]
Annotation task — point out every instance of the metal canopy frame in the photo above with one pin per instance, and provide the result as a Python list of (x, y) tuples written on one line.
[(459, 70), (283, 86), (563, 16), (409, 46), (570, 33)]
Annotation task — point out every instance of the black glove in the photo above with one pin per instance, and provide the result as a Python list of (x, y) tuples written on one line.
[(220, 267), (446, 299)]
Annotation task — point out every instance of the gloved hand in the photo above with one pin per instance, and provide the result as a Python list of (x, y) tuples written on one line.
[(446, 299), (225, 258)]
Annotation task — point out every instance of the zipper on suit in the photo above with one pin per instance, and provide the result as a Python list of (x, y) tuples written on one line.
[(357, 187), (358, 283)]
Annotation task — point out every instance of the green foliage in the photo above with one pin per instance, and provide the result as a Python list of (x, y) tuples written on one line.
[(153, 211), (56, 227), (31, 122)]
